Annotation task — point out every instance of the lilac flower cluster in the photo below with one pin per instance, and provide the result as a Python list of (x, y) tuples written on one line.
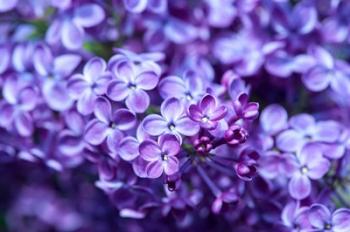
[(203, 115)]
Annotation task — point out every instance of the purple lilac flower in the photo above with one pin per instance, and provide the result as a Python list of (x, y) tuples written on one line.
[(207, 112), (85, 88), (161, 155), (322, 219), (131, 82), (108, 123), (172, 120), (69, 29), (310, 164)]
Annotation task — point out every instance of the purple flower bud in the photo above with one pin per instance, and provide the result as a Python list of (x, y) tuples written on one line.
[(246, 167), (235, 135)]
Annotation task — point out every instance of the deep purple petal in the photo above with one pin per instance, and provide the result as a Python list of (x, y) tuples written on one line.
[(208, 104), (219, 113), (124, 119), (155, 125), (195, 113), (150, 150), (138, 101)]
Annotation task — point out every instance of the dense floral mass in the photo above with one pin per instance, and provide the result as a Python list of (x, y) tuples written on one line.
[(164, 115)]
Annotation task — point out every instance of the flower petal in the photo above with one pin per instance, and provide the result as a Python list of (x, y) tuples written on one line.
[(89, 15), (171, 166), (155, 125), (187, 127), (129, 148), (318, 215), (24, 124), (138, 101), (94, 68), (103, 110), (86, 103), (72, 35), (273, 118), (299, 186), (154, 169), (289, 141), (147, 80), (169, 144), (317, 79), (77, 85), (124, 119), (171, 109), (171, 86), (150, 150), (117, 91), (96, 132), (341, 220)]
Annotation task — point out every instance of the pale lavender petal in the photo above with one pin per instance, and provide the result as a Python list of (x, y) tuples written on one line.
[(155, 125), (101, 84), (94, 68), (124, 71), (172, 86), (65, 64), (327, 131), (139, 167), (341, 220), (310, 153), (96, 132), (317, 79), (138, 101), (318, 168), (147, 80), (72, 35), (124, 119), (179, 31), (24, 124), (288, 213), (74, 121), (299, 187), (77, 86), (86, 102), (333, 151), (307, 16), (323, 57), (54, 32), (154, 169), (4, 59), (56, 95), (273, 118), (135, 6), (118, 91), (10, 90), (27, 98), (169, 144), (129, 148), (69, 143), (187, 127), (89, 15), (113, 141), (42, 60), (6, 5), (303, 123), (171, 166), (289, 141), (171, 109), (318, 216), (103, 110), (150, 151), (333, 31)]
